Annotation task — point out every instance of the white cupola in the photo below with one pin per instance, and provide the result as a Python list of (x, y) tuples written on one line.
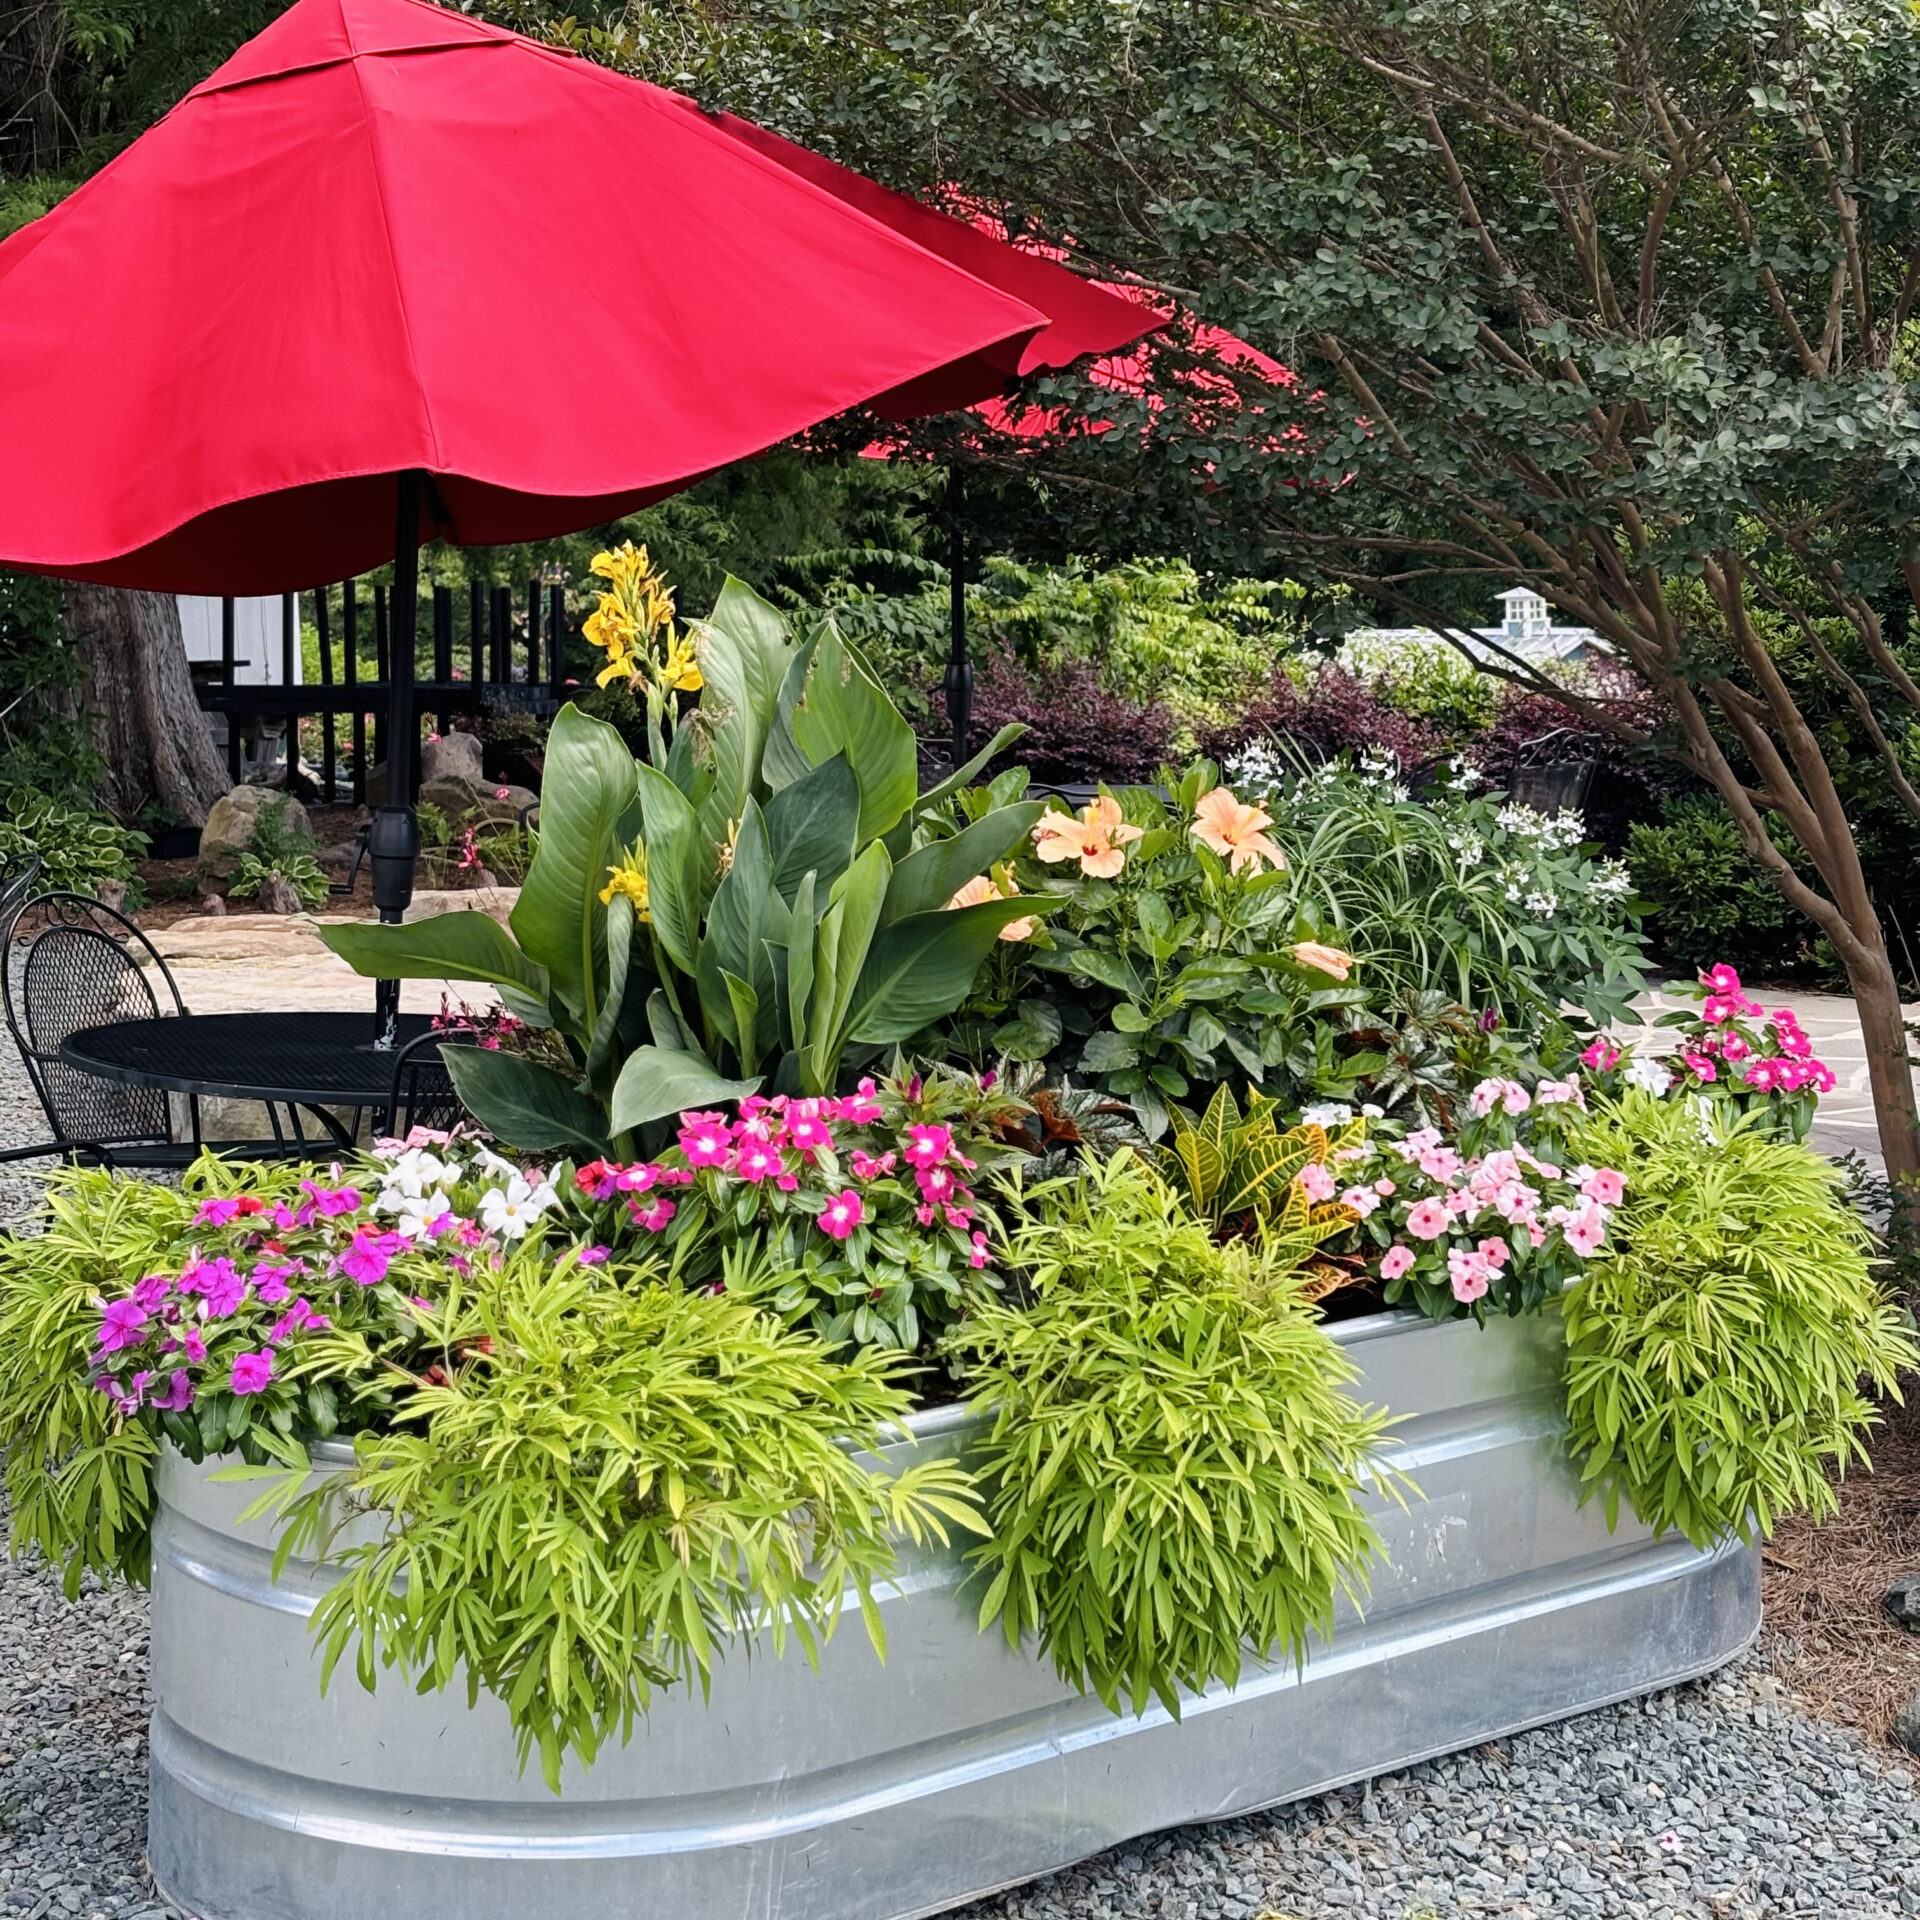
[(1525, 615)]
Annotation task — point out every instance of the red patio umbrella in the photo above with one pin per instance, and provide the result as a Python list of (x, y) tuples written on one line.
[(392, 273)]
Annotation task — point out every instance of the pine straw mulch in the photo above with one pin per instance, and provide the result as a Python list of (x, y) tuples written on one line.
[(1830, 1637)]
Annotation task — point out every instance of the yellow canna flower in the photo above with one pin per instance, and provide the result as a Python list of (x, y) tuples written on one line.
[(629, 880), (682, 669), (621, 665), (625, 563)]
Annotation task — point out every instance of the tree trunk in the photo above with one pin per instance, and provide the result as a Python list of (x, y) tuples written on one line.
[(1876, 995), (30, 122), (140, 699)]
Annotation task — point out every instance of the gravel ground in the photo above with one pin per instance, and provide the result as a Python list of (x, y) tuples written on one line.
[(1720, 1800)]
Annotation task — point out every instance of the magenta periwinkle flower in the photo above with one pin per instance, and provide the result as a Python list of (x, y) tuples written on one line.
[(705, 1139), (332, 1203), (153, 1289), (252, 1372), (927, 1146), (654, 1215), (220, 1281), (123, 1324), (842, 1214), (757, 1161), (978, 1255), (594, 1256), (861, 1108), (298, 1318), (369, 1255), (175, 1397)]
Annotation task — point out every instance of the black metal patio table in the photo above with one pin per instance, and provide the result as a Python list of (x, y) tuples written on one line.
[(300, 1061)]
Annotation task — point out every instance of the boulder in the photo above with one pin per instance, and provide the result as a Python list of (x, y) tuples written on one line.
[(278, 896), (453, 756), (1903, 1601), (474, 803), (1906, 1726), (231, 824)]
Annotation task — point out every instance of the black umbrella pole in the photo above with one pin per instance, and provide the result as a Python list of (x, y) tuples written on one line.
[(393, 845)]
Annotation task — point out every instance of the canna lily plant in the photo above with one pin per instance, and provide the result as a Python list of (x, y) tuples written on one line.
[(768, 898)]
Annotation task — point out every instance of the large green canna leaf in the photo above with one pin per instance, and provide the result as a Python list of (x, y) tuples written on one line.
[(623, 933), (931, 875), (744, 651), (839, 954), (919, 969), (746, 914), (658, 1081), (965, 776), (782, 762), (845, 709), (523, 1103), (679, 861), (588, 816), (449, 946), (811, 824)]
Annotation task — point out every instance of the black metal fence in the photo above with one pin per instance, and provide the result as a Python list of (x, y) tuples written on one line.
[(484, 659)]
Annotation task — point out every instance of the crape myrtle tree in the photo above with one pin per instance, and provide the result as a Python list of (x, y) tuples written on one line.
[(1615, 299)]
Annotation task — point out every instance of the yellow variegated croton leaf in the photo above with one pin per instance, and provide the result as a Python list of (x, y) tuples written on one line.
[(1240, 1174)]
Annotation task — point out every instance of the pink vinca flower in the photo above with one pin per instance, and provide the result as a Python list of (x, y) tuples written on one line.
[(1395, 1261), (978, 1256), (1602, 1057), (1315, 1181), (369, 1255), (1721, 980), (861, 1108), (705, 1139), (252, 1372), (1468, 1274), (842, 1214), (654, 1215), (123, 1324), (756, 1161), (927, 1146), (1429, 1220), (1604, 1187)]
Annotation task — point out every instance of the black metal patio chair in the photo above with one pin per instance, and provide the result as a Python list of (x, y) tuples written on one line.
[(68, 963), (423, 1093)]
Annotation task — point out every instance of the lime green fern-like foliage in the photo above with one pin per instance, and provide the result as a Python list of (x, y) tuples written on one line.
[(1718, 1354), (1175, 1467), (604, 1485), (79, 1480)]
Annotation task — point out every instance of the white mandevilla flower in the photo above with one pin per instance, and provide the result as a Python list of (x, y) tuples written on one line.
[(415, 1174), (1648, 1075), (510, 1210), (420, 1218), (1326, 1113)]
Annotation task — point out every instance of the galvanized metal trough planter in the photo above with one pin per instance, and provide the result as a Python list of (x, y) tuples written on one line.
[(864, 1792)]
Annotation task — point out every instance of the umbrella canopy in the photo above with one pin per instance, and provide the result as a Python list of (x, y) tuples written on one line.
[(388, 238)]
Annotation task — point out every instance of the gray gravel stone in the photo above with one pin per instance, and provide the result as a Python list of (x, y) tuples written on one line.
[(1903, 1601)]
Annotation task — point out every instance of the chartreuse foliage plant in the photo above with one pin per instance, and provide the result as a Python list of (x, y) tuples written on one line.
[(79, 1478), (766, 897), (603, 1484), (1175, 1467), (1720, 1353)]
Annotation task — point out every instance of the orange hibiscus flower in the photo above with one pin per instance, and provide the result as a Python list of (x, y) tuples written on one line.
[(980, 889), (1234, 831), (1095, 839)]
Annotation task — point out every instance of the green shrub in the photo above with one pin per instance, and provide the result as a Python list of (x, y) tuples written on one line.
[(1718, 1350), (301, 871), (1709, 901), (607, 1484), (78, 848), (45, 745), (1174, 1467)]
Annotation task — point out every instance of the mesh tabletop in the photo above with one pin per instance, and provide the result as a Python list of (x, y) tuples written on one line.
[(308, 1059)]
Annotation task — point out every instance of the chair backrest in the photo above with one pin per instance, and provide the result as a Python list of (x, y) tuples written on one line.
[(422, 1092), (18, 872), (72, 963)]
